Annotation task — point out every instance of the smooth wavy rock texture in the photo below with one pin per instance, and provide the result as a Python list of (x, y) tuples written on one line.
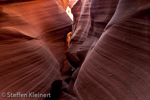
[(63, 3), (109, 49), (86, 33), (32, 46), (90, 19), (81, 18), (118, 67)]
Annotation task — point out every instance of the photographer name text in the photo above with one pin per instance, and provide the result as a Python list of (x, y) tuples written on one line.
[(25, 95)]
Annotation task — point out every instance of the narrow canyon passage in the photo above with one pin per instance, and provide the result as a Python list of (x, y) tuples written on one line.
[(74, 50)]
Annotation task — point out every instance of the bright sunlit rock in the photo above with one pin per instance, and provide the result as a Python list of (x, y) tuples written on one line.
[(68, 10)]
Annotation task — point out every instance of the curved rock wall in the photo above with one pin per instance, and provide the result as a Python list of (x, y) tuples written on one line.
[(90, 19), (32, 46), (81, 18), (110, 49), (63, 3), (117, 68)]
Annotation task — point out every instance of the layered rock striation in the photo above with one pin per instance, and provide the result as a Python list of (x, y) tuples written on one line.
[(117, 68), (108, 46), (32, 46)]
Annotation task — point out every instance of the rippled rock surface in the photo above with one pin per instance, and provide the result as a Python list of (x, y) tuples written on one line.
[(32, 46), (118, 67), (108, 46)]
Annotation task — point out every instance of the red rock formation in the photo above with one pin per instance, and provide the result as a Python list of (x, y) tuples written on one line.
[(89, 23), (63, 3), (86, 33), (110, 49), (118, 67), (81, 18), (25, 65), (32, 39)]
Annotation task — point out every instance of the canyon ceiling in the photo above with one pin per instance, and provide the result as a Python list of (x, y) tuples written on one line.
[(105, 56)]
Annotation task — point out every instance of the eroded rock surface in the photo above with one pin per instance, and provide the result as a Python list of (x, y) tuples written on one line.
[(32, 45), (117, 68), (109, 49)]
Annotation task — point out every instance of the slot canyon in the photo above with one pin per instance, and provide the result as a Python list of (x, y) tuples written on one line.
[(74, 49)]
